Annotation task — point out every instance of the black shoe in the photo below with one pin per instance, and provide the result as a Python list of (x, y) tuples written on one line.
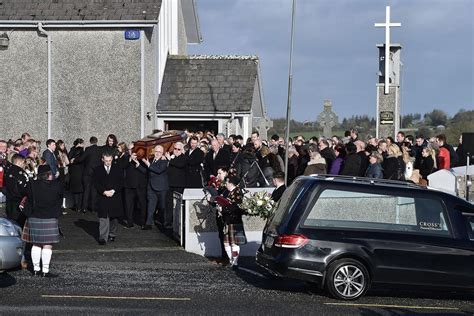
[(102, 242), (111, 238), (146, 227), (36, 273), (49, 275), (83, 211)]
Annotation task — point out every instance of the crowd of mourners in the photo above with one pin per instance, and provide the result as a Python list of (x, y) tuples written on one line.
[(110, 180)]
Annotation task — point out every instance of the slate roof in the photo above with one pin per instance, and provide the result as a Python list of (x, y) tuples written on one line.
[(64, 10), (208, 84)]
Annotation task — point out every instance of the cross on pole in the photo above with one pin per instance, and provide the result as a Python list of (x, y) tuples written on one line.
[(387, 26)]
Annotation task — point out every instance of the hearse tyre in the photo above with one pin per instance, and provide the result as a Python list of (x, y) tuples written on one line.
[(347, 279)]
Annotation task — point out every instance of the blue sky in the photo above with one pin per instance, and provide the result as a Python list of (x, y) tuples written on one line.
[(335, 56)]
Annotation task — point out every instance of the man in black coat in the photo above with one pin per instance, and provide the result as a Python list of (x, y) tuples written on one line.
[(194, 166), (135, 188), (108, 181), (157, 185), (215, 158), (327, 153), (91, 159), (176, 179)]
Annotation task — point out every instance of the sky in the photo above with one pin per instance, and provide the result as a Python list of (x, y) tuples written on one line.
[(335, 55)]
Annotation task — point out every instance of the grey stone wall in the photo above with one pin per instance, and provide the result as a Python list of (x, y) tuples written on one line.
[(23, 85), (95, 85)]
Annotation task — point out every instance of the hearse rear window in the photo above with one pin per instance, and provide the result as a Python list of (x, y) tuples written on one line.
[(345, 209), (470, 228)]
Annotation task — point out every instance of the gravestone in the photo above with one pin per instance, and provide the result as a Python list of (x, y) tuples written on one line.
[(388, 86), (262, 125), (327, 119)]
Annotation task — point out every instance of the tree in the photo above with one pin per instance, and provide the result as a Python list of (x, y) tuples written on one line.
[(435, 118)]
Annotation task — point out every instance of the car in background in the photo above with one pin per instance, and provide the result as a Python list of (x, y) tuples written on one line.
[(11, 245), (348, 233)]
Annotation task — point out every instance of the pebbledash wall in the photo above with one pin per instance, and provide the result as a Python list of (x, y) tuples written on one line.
[(96, 84)]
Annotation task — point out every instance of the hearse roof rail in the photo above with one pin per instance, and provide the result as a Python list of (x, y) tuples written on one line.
[(352, 179)]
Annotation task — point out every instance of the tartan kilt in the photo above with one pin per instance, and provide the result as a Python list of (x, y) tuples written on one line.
[(234, 234), (41, 231)]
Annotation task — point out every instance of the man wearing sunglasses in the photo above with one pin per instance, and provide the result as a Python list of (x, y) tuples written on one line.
[(178, 163)]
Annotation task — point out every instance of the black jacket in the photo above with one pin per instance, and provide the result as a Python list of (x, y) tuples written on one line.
[(328, 154), (426, 166), (278, 192), (351, 166), (91, 158), (109, 206), (394, 168), (15, 181), (135, 177), (211, 165), (45, 198), (177, 171), (76, 170), (194, 168), (157, 175)]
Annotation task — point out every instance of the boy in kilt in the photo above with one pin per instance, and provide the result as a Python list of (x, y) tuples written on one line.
[(234, 234), (44, 201)]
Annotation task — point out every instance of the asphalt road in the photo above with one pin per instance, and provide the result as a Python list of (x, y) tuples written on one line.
[(145, 272)]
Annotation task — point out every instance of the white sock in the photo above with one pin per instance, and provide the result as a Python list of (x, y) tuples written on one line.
[(36, 257), (235, 254), (228, 250), (46, 258)]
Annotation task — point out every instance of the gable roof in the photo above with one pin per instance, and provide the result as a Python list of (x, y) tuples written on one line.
[(64, 10), (209, 84)]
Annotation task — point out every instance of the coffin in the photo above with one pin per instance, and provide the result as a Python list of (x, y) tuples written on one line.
[(144, 147)]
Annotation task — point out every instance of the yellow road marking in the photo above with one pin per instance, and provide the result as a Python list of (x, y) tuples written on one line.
[(393, 306), (95, 297)]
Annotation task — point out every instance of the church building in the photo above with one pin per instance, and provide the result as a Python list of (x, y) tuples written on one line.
[(77, 68)]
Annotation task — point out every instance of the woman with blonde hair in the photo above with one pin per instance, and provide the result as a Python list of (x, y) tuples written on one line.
[(427, 164), (394, 166)]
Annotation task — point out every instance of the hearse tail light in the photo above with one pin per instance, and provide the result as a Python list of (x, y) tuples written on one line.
[(291, 241)]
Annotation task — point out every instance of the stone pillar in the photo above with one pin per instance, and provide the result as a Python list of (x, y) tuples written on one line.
[(388, 105)]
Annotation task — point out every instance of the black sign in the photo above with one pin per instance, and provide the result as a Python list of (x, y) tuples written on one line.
[(386, 118)]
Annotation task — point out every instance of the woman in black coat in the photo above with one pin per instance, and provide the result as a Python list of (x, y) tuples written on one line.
[(427, 163), (75, 173), (393, 165)]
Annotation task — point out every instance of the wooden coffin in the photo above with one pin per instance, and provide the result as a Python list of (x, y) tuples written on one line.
[(144, 147)]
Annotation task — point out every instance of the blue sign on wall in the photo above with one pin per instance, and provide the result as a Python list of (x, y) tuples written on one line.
[(132, 35)]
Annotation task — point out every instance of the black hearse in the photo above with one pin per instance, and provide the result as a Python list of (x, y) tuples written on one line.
[(347, 233)]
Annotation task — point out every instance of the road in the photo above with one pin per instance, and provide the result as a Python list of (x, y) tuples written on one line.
[(145, 272)]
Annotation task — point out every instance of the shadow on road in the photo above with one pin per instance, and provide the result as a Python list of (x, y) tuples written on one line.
[(6, 280), (90, 227)]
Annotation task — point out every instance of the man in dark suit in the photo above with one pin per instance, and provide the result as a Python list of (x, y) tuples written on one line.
[(221, 140), (216, 158), (91, 158), (178, 162), (50, 157), (157, 185), (279, 183), (135, 188), (108, 181), (194, 169)]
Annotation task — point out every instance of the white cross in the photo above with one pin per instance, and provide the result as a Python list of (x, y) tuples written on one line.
[(387, 26)]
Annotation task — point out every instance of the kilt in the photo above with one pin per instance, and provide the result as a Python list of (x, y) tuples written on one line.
[(41, 231), (234, 234)]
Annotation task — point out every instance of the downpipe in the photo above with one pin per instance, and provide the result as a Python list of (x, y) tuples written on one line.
[(48, 40)]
